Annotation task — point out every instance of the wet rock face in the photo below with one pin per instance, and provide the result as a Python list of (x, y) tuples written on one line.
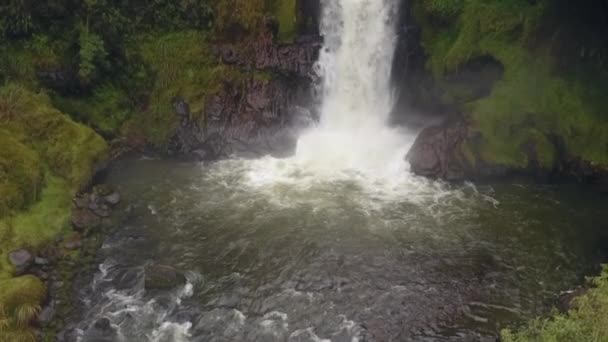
[(264, 53), (436, 152), (264, 117), (258, 116)]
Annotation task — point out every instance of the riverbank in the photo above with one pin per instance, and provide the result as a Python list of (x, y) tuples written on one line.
[(46, 158)]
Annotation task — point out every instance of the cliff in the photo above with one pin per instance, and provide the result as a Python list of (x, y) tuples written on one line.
[(519, 86)]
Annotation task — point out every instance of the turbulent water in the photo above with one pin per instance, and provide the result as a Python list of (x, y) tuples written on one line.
[(355, 65), (339, 242)]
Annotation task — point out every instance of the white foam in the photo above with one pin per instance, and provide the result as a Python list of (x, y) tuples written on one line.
[(352, 146)]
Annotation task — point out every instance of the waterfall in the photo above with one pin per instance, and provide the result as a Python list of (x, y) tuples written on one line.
[(355, 66)]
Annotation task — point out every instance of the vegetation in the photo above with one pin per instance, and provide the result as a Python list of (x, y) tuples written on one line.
[(75, 72), (538, 100), (45, 158), (586, 322)]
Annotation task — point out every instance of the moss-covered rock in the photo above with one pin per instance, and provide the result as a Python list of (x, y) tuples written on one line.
[(540, 110)]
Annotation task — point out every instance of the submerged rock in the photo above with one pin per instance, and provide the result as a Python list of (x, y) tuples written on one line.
[(21, 260), (161, 277)]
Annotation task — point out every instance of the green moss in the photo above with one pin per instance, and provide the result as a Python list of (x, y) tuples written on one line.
[(45, 159), (20, 174), (70, 150), (239, 16), (184, 68), (19, 61), (284, 12), (587, 322), (105, 110), (534, 100), (443, 9)]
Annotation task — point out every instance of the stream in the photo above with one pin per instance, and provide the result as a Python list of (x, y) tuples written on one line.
[(333, 260)]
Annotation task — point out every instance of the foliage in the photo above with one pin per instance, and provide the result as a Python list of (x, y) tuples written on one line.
[(16, 17), (184, 69), (538, 101), (105, 110), (68, 149), (45, 158), (92, 54), (586, 322), (284, 11)]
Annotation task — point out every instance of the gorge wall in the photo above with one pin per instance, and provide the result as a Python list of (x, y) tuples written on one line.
[(518, 85)]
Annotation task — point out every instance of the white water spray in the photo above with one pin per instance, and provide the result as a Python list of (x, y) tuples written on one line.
[(355, 65)]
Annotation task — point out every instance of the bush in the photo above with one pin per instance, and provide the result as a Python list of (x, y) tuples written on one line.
[(587, 322)]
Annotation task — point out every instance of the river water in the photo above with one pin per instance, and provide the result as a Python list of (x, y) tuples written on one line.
[(339, 242), (334, 260)]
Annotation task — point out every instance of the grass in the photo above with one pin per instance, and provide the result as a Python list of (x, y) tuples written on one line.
[(45, 159), (20, 174), (284, 11), (586, 322)]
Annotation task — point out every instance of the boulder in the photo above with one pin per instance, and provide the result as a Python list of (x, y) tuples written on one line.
[(160, 277), (437, 152), (112, 199), (21, 260), (83, 219), (47, 314), (41, 261)]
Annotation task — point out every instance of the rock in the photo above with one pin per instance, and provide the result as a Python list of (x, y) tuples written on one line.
[(102, 211), (126, 278), (566, 300), (21, 260), (437, 153), (47, 314), (81, 202), (252, 117), (160, 277), (41, 261), (73, 243), (56, 285), (112, 199), (103, 324), (83, 219), (101, 331)]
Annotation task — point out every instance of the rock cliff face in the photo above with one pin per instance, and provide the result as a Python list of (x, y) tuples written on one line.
[(502, 95), (259, 115)]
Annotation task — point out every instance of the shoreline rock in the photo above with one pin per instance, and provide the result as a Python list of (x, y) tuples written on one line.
[(444, 152)]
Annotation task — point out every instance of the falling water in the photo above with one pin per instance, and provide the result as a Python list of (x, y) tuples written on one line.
[(355, 65)]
